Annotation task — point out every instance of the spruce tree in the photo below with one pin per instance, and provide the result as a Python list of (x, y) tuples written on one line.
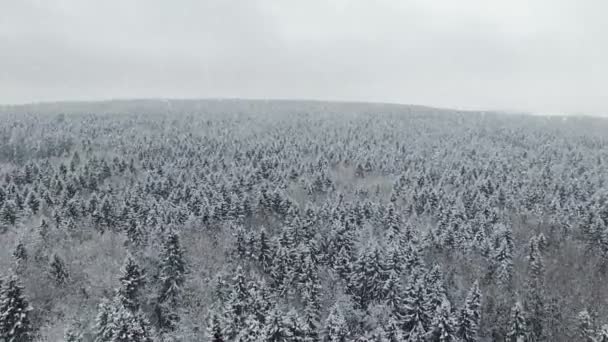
[(415, 310), (584, 326), (535, 294), (128, 326), (59, 271), (252, 331), (443, 326), (503, 265), (264, 254), (32, 201), (8, 213), (172, 277), (20, 253), (470, 315), (15, 325), (517, 330), (104, 324), (74, 333), (131, 282), (335, 329), (274, 329), (215, 330)]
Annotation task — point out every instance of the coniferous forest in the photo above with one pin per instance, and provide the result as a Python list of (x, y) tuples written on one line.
[(229, 220)]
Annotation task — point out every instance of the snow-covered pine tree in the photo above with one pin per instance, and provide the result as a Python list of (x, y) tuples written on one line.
[(443, 326), (15, 310), (435, 290), (470, 315), (59, 271), (128, 326), (415, 310), (584, 327), (503, 265), (32, 201), (252, 331), (20, 253), (74, 333), (8, 213), (172, 277), (236, 304), (214, 329), (517, 330), (132, 281), (336, 329), (104, 322), (264, 255), (535, 292), (274, 329), (294, 327)]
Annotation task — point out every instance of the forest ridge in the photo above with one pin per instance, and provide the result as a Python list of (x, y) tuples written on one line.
[(235, 220)]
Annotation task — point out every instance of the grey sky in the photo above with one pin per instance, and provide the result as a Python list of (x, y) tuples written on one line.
[(533, 55)]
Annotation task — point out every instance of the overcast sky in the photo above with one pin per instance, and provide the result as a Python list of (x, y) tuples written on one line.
[(543, 56)]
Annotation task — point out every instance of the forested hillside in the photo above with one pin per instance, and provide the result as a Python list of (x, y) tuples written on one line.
[(300, 221)]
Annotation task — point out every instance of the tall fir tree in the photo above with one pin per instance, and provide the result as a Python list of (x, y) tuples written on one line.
[(336, 329), (470, 315), (58, 270), (535, 292), (584, 327), (517, 331), (172, 277), (15, 325), (443, 326), (214, 329), (132, 281)]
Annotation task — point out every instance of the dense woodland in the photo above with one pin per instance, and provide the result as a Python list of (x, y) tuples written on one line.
[(300, 221)]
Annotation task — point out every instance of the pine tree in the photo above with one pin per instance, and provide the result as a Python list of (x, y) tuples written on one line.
[(435, 291), (32, 201), (366, 278), (503, 264), (274, 329), (517, 330), (59, 271), (132, 281), (470, 315), (584, 326), (20, 253), (415, 311), (236, 305), (392, 331), (294, 327), (535, 295), (215, 330), (392, 293), (252, 331), (335, 329), (172, 277), (115, 323), (130, 326), (443, 326), (418, 333), (15, 323), (264, 255), (74, 333), (104, 322), (8, 213)]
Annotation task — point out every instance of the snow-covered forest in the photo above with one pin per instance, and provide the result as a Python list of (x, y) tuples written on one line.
[(300, 221)]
